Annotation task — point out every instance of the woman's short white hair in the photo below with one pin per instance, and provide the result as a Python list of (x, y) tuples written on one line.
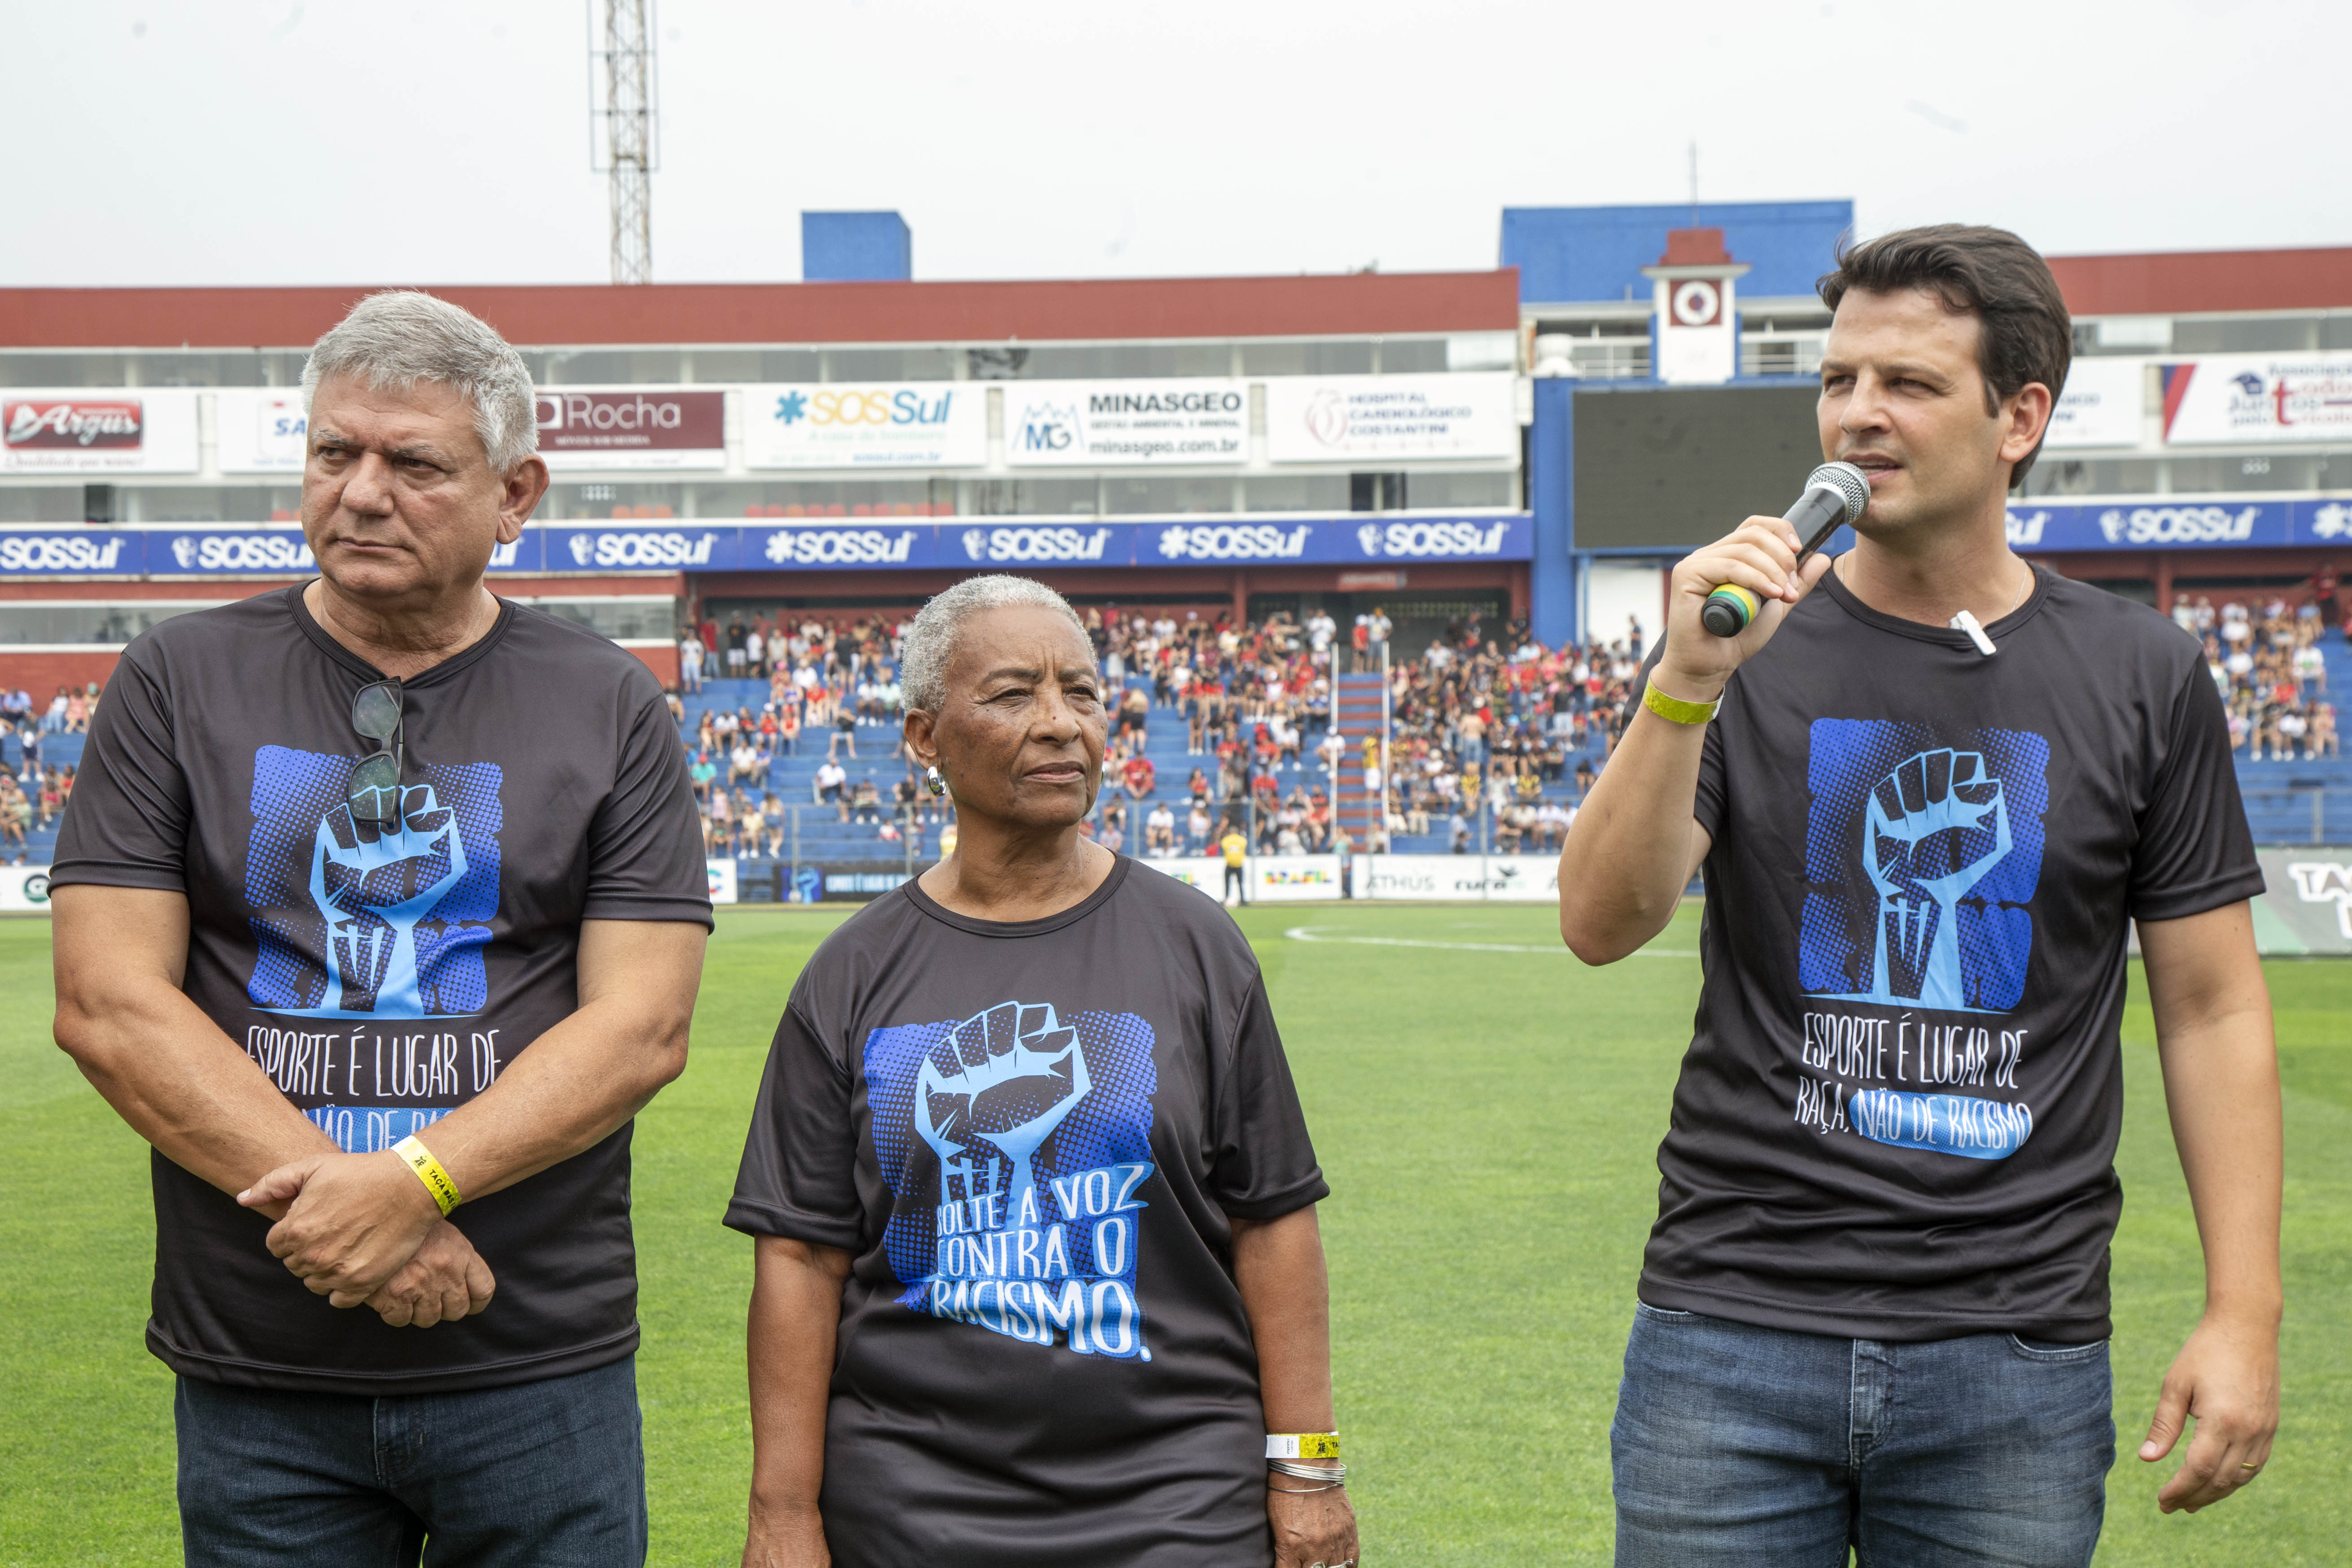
[(401, 336), (931, 643)]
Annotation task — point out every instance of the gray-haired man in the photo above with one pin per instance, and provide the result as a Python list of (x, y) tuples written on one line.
[(381, 895)]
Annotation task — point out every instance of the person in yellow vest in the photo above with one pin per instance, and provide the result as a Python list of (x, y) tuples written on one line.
[(1234, 847)]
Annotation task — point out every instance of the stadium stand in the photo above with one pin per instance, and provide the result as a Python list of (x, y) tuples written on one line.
[(1492, 741)]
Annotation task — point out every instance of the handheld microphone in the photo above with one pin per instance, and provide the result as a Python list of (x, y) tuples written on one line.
[(1835, 494)]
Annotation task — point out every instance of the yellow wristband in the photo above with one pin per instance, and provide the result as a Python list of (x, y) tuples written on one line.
[(428, 1171), (1302, 1445), (1674, 707)]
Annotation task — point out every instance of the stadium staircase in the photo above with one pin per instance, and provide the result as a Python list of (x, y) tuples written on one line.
[(1356, 712)]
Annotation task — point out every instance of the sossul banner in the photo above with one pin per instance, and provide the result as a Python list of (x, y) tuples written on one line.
[(685, 545), (2173, 522), (891, 424), (189, 549)]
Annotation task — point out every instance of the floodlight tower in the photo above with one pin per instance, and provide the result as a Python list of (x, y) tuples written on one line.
[(624, 120)]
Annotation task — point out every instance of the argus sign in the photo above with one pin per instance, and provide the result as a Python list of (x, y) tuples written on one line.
[(89, 431)]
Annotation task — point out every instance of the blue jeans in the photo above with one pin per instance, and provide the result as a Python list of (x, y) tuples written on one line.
[(537, 1473), (1736, 1445)]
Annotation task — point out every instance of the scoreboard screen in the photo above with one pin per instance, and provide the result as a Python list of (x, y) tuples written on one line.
[(1681, 466)]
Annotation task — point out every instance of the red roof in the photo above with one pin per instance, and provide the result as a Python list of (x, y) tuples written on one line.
[(1101, 308), (1695, 247), (2184, 283)]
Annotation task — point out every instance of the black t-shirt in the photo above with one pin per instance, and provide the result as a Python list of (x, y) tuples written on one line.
[(1897, 1117), (382, 980), (1031, 1137)]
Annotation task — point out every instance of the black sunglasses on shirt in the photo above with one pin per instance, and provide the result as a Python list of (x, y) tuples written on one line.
[(372, 790)]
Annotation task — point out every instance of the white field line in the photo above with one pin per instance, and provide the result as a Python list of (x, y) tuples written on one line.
[(1329, 933)]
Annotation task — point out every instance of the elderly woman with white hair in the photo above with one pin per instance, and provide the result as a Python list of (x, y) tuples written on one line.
[(1038, 1275)]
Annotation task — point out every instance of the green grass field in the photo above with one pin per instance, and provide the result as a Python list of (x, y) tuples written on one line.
[(1489, 1118)]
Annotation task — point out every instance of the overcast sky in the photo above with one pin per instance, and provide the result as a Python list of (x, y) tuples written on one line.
[(227, 142)]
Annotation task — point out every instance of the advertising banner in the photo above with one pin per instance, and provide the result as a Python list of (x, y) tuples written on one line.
[(54, 552), (2308, 906), (1508, 537), (670, 546), (2159, 523), (181, 550), (200, 551), (632, 427), (1292, 879), (2241, 399), (722, 881), (838, 547), (25, 889), (261, 430), (1045, 544), (207, 550), (2102, 405), (2322, 522), (1352, 419), (1206, 872), (1099, 424), (888, 425), (98, 430), (1488, 879)]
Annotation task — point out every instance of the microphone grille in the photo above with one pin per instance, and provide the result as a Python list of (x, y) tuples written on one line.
[(1849, 481)]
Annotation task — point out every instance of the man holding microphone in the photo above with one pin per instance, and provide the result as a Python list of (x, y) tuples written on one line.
[(1930, 788)]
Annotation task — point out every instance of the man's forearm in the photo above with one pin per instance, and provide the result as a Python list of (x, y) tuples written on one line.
[(165, 1068), (576, 1084), (2222, 1090), (2215, 1040), (589, 1074), (1631, 850)]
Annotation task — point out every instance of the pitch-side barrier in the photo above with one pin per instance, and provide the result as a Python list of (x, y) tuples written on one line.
[(2306, 911)]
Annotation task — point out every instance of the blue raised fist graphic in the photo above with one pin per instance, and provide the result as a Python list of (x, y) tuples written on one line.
[(1018, 1073), (1935, 825), (373, 888)]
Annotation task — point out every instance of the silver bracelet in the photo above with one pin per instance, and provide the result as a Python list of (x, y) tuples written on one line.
[(1336, 1474)]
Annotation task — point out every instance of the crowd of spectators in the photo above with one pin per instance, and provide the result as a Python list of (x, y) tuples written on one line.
[(1482, 721), (2267, 662), (1494, 737), (33, 796)]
